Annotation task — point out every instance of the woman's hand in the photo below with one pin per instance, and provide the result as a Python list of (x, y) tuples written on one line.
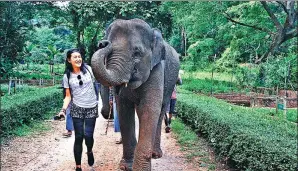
[(61, 115)]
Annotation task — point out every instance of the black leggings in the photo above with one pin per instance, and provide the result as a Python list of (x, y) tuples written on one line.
[(80, 134)]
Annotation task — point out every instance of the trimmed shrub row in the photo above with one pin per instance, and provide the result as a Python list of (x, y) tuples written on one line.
[(247, 139), (24, 107)]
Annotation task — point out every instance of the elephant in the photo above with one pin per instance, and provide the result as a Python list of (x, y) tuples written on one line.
[(142, 68)]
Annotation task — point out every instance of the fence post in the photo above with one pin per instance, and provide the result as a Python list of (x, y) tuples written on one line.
[(277, 100), (9, 84), (53, 81), (285, 106), (276, 105), (15, 85), (40, 82), (252, 101)]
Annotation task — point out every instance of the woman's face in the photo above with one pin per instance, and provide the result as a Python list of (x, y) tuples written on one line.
[(75, 60)]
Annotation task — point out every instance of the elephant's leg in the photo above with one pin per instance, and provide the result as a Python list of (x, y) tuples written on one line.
[(148, 113), (157, 152), (127, 125)]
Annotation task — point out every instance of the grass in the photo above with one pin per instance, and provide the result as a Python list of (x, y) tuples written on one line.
[(19, 88), (205, 85), (192, 146), (38, 126), (291, 113), (208, 75), (202, 82)]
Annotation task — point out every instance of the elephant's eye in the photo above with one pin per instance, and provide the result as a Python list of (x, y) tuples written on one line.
[(137, 52)]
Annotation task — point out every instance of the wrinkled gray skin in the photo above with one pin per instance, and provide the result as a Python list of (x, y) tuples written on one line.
[(135, 54)]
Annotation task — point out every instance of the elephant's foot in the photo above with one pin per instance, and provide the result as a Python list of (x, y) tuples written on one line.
[(157, 153), (126, 165)]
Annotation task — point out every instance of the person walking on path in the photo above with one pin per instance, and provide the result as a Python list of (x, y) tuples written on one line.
[(81, 93), (69, 123), (115, 113), (171, 106)]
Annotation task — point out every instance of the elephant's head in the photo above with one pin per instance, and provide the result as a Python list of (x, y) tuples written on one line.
[(129, 52)]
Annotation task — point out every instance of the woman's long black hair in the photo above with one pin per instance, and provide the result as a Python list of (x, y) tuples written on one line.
[(68, 66)]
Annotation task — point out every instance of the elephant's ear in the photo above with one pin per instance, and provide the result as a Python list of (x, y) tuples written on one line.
[(158, 48)]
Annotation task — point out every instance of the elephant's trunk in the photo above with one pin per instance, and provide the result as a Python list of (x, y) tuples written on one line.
[(107, 77)]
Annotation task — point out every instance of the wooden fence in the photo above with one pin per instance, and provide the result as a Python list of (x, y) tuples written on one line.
[(14, 83), (280, 99)]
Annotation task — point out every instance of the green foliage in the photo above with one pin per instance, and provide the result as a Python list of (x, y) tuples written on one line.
[(176, 41), (242, 32), (17, 30), (12, 38), (202, 82), (45, 46), (276, 72), (248, 76), (248, 139), (90, 19), (227, 61), (201, 52), (279, 72), (29, 106), (20, 88), (205, 85), (36, 126), (291, 113)]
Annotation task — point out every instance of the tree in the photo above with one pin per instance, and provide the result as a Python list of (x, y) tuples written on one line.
[(52, 54), (12, 27), (287, 14), (90, 19)]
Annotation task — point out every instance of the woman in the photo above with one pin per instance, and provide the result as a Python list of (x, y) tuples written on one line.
[(80, 91), (115, 113)]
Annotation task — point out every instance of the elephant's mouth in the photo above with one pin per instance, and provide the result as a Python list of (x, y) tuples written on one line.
[(135, 80), (135, 76)]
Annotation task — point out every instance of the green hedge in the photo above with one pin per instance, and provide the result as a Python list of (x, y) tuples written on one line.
[(25, 107), (247, 139)]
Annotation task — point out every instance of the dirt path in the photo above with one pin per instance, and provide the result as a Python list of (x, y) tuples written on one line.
[(49, 151)]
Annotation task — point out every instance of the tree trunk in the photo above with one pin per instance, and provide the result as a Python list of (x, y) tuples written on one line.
[(284, 32), (93, 45), (183, 41)]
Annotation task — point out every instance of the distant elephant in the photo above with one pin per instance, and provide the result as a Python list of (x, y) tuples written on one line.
[(143, 69)]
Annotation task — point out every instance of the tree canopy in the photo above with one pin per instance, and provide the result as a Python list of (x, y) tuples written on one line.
[(219, 34)]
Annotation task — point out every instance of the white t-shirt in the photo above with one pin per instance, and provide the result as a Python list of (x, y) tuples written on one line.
[(82, 95)]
